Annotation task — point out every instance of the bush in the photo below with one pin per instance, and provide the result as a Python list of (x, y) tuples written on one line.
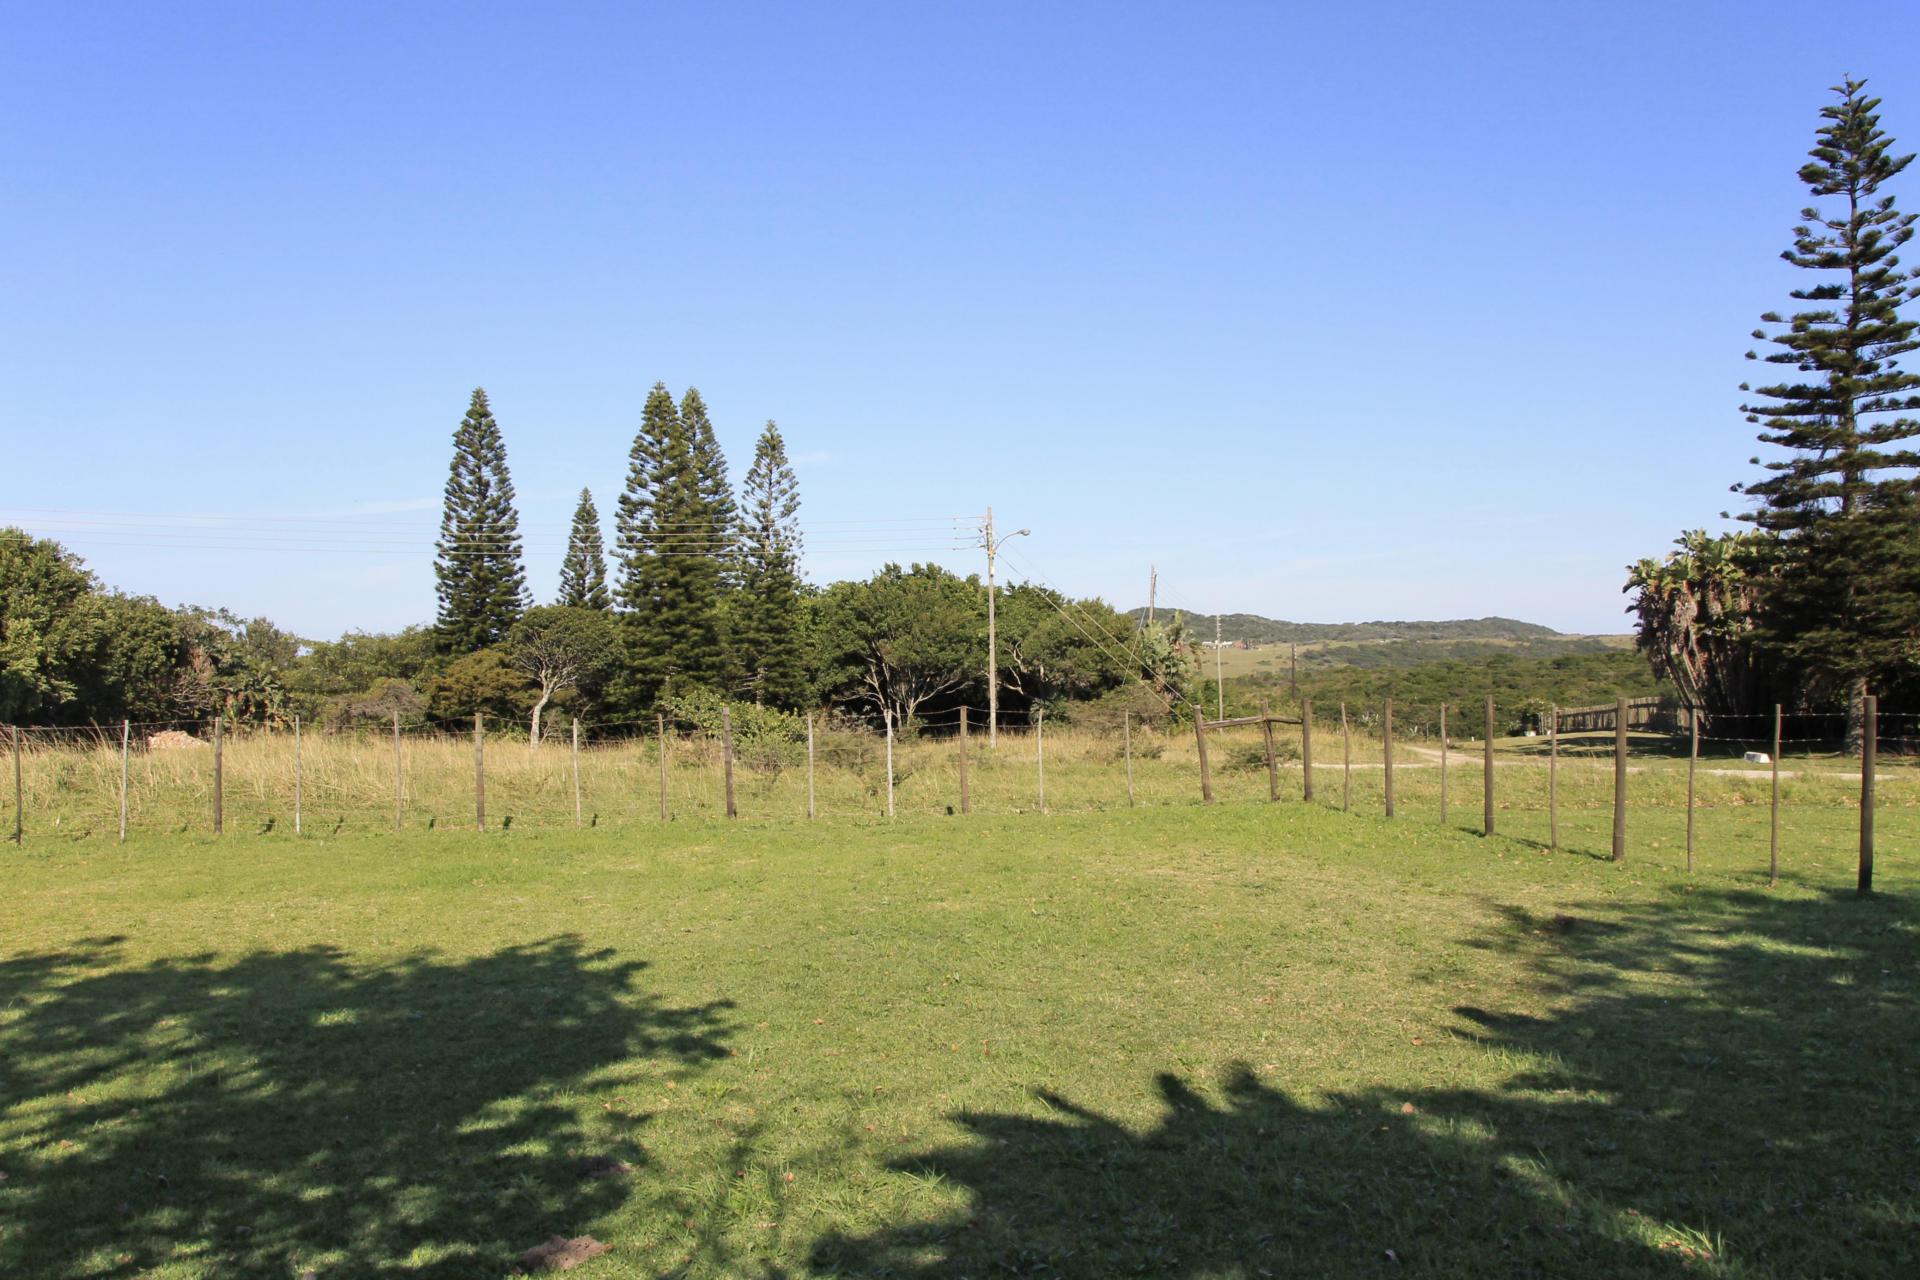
[(763, 738)]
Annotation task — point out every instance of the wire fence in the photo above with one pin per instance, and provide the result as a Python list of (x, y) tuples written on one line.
[(1749, 790)]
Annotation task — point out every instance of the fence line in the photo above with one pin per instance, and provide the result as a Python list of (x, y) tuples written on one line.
[(85, 779)]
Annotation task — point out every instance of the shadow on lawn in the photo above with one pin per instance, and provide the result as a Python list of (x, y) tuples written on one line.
[(1728, 1080), (287, 1111)]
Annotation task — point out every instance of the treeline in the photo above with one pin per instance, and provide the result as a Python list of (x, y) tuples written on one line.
[(703, 605), (1818, 603)]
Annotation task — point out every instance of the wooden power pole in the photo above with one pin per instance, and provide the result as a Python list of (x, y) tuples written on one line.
[(993, 546)]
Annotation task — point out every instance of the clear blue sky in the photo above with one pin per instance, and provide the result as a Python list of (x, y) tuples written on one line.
[(1342, 312)]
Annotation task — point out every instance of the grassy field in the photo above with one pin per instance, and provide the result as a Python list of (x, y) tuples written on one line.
[(1252, 1040)]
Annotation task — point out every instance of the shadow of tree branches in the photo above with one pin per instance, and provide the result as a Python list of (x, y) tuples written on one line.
[(1725, 1083), (293, 1111)]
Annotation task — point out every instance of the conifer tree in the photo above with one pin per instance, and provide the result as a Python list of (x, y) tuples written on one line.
[(769, 632), (1838, 501), (583, 574), (674, 539), (634, 517), (479, 580), (715, 491)]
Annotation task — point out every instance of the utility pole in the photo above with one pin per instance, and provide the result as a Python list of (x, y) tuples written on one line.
[(1153, 589), (993, 636), (1293, 670), (1219, 687)]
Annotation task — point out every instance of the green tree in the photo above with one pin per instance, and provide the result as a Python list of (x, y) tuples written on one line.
[(770, 614), (583, 573), (481, 585), (674, 541), (45, 636), (561, 649), (1835, 501), (1695, 611), (901, 639), (484, 681), (719, 514)]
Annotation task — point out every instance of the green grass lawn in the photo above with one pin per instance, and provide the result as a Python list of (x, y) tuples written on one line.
[(1247, 1041)]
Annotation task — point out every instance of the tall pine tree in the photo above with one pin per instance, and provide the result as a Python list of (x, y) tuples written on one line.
[(583, 573), (674, 538), (480, 583), (769, 615), (1840, 502), (715, 491)]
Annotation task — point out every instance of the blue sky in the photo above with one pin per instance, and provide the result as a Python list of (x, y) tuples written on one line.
[(1330, 313)]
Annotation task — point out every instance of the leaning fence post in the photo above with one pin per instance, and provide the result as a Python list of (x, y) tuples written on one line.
[(1773, 819), (1553, 777), (1040, 753), (219, 817), (1306, 750), (726, 755), (888, 714), (297, 778), (397, 777), (1126, 745), (1200, 737), (576, 771), (1620, 780), (1273, 765), (19, 793), (1693, 763), (126, 737), (479, 774), (1869, 750), (1386, 743), (1486, 774), (660, 723), (810, 809)]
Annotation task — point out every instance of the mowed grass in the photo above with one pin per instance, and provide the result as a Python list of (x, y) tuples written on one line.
[(1241, 1041)]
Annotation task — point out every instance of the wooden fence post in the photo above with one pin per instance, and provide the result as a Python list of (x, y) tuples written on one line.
[(1620, 780), (1040, 752), (1386, 743), (1443, 764), (576, 771), (660, 725), (126, 738), (19, 793), (1273, 765), (1773, 819), (888, 713), (966, 796), (1486, 774), (398, 783), (1553, 778), (479, 774), (1306, 750), (726, 755), (1346, 761), (1869, 751), (810, 806), (1126, 744), (1693, 763), (1206, 773), (298, 775), (219, 800)]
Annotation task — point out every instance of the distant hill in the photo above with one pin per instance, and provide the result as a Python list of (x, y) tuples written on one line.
[(1254, 629)]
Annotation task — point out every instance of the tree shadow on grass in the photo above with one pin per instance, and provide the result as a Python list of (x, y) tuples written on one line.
[(295, 1111), (1727, 1084)]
